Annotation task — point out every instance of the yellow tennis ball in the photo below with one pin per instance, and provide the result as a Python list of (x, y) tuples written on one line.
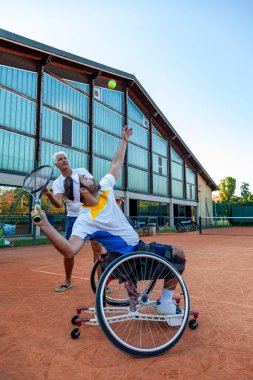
[(112, 84)]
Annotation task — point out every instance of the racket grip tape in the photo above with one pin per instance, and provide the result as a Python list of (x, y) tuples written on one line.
[(37, 217)]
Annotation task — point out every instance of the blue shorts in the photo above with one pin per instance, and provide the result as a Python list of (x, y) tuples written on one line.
[(70, 222)]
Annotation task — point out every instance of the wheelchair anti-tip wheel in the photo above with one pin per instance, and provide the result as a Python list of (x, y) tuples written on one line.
[(74, 319), (193, 324), (112, 296), (138, 329), (75, 333)]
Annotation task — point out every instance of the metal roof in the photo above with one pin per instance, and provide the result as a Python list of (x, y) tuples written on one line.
[(39, 51)]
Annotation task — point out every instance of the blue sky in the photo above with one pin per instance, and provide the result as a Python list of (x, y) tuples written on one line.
[(193, 57)]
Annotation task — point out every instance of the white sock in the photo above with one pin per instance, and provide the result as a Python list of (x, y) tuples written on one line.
[(166, 297)]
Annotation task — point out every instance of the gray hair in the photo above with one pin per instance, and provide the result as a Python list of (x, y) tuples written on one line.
[(57, 154)]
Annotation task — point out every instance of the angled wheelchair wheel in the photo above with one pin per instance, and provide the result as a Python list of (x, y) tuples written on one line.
[(137, 329), (94, 275), (112, 295)]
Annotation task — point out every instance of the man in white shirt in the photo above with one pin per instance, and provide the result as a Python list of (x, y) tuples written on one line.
[(72, 201), (101, 218)]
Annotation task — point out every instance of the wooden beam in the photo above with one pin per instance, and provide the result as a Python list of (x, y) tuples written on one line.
[(19, 53)]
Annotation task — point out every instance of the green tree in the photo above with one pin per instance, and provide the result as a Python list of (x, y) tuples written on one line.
[(245, 193), (9, 197), (227, 189)]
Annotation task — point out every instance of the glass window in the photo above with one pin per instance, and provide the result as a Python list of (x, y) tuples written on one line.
[(159, 145), (190, 176), (66, 131), (108, 120), (140, 135), (175, 157), (160, 165), (181, 210), (138, 157), (177, 189), (134, 113), (191, 191), (176, 171), (22, 81), (138, 180), (66, 99), (143, 207), (154, 208)]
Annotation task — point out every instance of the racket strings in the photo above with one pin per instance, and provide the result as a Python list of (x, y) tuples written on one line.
[(37, 179)]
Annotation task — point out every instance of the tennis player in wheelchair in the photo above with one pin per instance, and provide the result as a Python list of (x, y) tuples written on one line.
[(102, 219)]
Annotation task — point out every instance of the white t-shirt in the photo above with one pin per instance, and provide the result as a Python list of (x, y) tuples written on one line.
[(58, 188), (105, 222)]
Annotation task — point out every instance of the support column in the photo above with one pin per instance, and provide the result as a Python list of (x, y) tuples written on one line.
[(126, 204), (91, 106), (39, 109), (171, 214), (151, 188), (91, 117), (169, 169), (170, 184), (125, 111), (184, 179)]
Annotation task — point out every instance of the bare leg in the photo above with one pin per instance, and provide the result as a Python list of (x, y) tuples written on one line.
[(97, 251), (68, 265), (166, 305), (171, 284)]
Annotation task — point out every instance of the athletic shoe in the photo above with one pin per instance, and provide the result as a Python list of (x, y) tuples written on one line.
[(63, 288), (169, 309)]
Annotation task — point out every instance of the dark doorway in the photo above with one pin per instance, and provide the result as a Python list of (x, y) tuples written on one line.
[(188, 212), (133, 209)]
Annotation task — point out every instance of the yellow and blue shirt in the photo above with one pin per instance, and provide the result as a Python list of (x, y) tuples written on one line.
[(105, 222)]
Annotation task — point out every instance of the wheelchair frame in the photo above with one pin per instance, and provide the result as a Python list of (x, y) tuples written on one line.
[(132, 323)]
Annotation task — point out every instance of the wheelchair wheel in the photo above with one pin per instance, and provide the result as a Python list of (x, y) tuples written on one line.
[(112, 295), (138, 329), (179, 228), (94, 275)]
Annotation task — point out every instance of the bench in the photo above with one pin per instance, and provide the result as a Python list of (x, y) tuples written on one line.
[(145, 230), (141, 228)]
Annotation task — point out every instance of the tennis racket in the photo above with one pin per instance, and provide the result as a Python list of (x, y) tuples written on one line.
[(36, 182)]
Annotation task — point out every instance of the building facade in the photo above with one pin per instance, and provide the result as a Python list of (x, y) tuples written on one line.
[(51, 100)]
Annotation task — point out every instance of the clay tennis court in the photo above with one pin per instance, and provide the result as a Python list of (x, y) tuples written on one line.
[(35, 321)]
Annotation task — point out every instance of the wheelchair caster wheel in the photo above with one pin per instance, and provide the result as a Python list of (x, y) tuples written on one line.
[(193, 324), (74, 318), (75, 333)]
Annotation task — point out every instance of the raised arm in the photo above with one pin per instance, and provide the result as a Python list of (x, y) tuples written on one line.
[(57, 200), (118, 159)]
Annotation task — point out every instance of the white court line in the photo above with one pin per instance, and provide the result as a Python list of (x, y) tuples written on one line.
[(48, 266), (223, 302), (58, 274)]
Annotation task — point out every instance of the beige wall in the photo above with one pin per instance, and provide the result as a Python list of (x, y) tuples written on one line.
[(205, 198)]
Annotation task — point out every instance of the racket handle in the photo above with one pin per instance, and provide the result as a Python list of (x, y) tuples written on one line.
[(37, 217)]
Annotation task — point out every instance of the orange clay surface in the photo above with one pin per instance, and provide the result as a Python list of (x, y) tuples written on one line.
[(35, 320)]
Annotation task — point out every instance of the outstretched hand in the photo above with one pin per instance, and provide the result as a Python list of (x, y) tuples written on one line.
[(126, 133)]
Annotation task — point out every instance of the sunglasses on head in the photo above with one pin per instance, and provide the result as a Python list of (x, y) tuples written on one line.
[(93, 186), (82, 186)]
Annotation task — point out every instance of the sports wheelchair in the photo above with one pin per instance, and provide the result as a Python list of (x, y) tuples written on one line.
[(127, 288)]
